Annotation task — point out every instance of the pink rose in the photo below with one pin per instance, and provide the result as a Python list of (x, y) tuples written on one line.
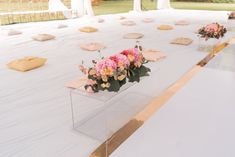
[(104, 65), (120, 60), (212, 28)]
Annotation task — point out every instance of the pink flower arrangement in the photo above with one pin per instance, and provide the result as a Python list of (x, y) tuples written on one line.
[(212, 27), (231, 15), (121, 60), (213, 30), (106, 67), (111, 73), (134, 56)]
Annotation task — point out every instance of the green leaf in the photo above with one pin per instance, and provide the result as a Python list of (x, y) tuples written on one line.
[(143, 71), (135, 76), (100, 88), (122, 82), (114, 85)]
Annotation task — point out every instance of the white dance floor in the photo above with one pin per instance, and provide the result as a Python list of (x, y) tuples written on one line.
[(35, 115), (224, 61), (197, 121)]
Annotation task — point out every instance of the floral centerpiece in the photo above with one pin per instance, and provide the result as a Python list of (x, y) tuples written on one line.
[(231, 15), (213, 30), (209, 36), (231, 21), (112, 72)]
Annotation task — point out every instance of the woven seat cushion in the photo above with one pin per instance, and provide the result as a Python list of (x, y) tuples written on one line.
[(165, 27), (148, 20), (43, 37), (182, 41), (128, 23), (60, 26), (153, 55), (11, 32), (88, 29), (231, 29), (133, 36), (100, 20), (77, 83), (27, 63), (121, 18), (182, 22), (92, 46)]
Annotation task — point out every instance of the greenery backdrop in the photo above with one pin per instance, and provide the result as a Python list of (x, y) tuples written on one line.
[(211, 1), (118, 6)]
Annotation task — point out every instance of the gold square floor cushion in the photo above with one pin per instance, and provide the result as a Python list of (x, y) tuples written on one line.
[(27, 63), (92, 46), (148, 20), (121, 18), (182, 41), (43, 37), (182, 22), (60, 26), (11, 32), (165, 27), (128, 23), (88, 29), (100, 20), (133, 36), (77, 83), (153, 55)]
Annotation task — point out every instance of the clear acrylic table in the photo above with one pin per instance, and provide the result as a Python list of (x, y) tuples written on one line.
[(100, 115)]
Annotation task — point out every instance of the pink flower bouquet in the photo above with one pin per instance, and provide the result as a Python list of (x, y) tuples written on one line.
[(136, 68), (112, 72), (213, 30), (231, 15)]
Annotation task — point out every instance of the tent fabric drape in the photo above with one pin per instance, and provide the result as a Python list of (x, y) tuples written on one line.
[(78, 7), (88, 7), (163, 4), (82, 7), (137, 5), (57, 5)]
